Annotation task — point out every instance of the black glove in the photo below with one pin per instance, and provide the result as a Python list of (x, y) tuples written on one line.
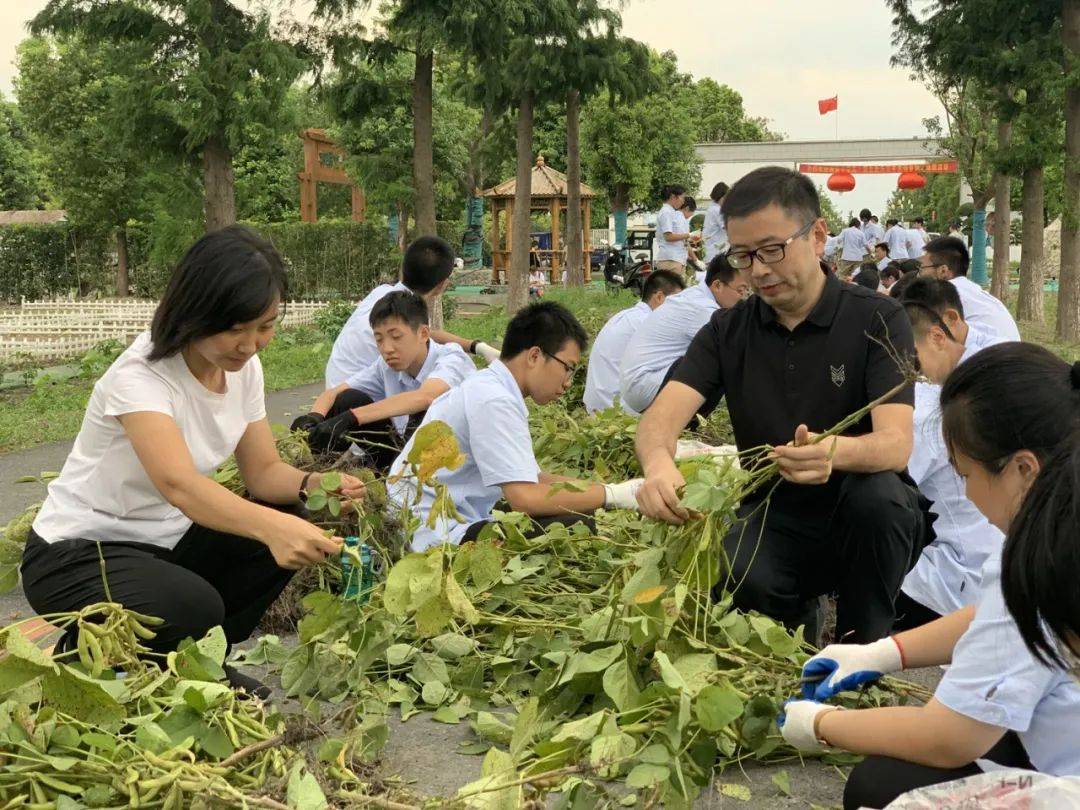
[(307, 421), (328, 432)]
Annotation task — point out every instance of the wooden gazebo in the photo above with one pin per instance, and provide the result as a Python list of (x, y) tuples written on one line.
[(548, 194)]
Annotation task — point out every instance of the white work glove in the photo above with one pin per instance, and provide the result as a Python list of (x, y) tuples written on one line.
[(488, 352), (624, 495), (796, 723), (689, 448), (844, 667)]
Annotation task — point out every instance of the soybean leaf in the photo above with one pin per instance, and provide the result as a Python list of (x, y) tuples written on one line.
[(716, 707), (304, 792), (782, 782)]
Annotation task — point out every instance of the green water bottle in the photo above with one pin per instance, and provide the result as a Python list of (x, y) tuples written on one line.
[(357, 581)]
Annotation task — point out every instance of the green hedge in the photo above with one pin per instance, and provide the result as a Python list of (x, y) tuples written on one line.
[(329, 259), (40, 261)]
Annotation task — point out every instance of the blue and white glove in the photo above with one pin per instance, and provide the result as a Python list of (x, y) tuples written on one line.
[(797, 722), (844, 667)]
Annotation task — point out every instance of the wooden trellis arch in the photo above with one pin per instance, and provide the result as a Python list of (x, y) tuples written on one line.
[(316, 170)]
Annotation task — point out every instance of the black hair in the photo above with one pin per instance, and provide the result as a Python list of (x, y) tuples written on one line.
[(919, 221), (873, 218), (1040, 561), (950, 251), (719, 269), (667, 192), (884, 246), (892, 270), (926, 300), (664, 281), (905, 280), (546, 325), (868, 276), (910, 266), (1006, 398), (718, 192), (401, 304), (428, 262), (853, 222), (891, 222), (689, 202), (769, 185), (864, 215), (957, 225), (228, 277)]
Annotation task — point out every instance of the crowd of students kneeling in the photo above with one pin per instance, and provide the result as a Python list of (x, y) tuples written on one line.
[(945, 522)]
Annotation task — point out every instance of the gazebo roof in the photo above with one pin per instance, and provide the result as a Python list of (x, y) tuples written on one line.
[(546, 184)]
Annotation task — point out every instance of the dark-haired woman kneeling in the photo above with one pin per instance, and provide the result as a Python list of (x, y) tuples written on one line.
[(174, 406)]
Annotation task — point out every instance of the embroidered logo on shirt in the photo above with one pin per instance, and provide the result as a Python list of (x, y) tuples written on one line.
[(837, 375)]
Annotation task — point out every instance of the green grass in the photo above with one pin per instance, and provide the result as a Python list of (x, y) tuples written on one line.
[(1044, 333), (53, 411)]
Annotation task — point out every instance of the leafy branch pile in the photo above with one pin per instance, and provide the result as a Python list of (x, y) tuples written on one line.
[(166, 733), (577, 658)]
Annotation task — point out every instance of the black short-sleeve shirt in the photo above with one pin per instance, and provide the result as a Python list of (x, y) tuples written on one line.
[(825, 369)]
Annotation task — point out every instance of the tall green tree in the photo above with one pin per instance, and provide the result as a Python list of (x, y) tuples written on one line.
[(1068, 324), (211, 68), (80, 104), (630, 149), (719, 116), (19, 185)]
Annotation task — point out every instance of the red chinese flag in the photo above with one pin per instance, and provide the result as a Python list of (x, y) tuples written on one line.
[(827, 104)]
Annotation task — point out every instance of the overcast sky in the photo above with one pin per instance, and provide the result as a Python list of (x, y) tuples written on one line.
[(782, 55)]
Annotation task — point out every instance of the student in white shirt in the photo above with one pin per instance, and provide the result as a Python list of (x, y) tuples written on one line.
[(916, 238), (425, 270), (490, 420), (881, 255), (382, 405), (947, 574), (662, 340), (669, 252), (602, 376), (956, 232), (176, 404), (853, 248), (896, 237), (1006, 412), (947, 258), (713, 232), (869, 223)]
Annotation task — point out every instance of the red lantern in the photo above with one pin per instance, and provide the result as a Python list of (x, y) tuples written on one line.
[(909, 181), (841, 182)]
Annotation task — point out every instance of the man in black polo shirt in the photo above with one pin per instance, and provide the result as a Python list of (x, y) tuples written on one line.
[(794, 359)]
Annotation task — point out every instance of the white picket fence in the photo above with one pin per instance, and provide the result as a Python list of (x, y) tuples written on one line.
[(47, 331)]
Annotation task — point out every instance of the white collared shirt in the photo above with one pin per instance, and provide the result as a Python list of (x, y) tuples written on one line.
[(670, 221), (448, 363), (897, 239), (916, 241), (854, 242), (490, 421), (981, 308), (874, 233), (602, 377), (714, 232), (831, 244), (659, 341), (994, 678), (949, 570), (881, 265), (355, 349)]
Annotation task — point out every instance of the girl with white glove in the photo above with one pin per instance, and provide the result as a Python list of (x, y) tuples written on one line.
[(1005, 413)]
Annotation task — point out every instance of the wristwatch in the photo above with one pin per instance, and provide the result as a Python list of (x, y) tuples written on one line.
[(303, 487)]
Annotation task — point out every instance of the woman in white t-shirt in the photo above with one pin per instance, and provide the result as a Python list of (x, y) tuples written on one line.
[(182, 399)]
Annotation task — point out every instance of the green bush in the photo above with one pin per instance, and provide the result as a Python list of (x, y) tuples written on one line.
[(42, 261)]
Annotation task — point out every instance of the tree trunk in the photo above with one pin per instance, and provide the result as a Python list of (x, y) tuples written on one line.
[(219, 185), (999, 282), (620, 202), (575, 272), (518, 292), (1029, 305), (403, 226), (1068, 325), (978, 232), (122, 277), (423, 144)]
